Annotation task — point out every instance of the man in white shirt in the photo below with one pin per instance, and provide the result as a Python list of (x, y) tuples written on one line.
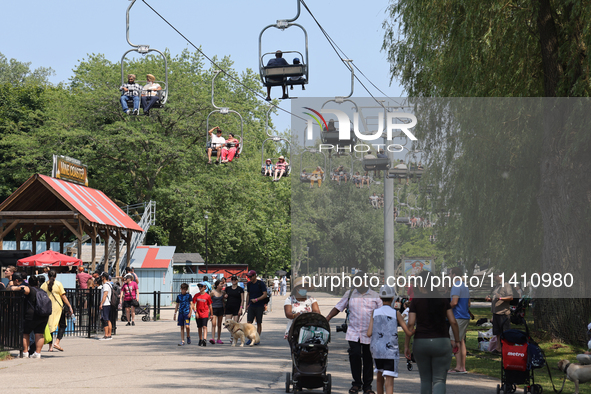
[(105, 306), (217, 141)]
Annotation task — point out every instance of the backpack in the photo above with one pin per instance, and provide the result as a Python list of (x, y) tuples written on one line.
[(115, 293), (43, 303)]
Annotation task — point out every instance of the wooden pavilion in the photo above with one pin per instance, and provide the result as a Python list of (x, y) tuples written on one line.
[(56, 209)]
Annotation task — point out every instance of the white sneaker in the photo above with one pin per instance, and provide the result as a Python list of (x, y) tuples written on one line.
[(128, 111), (108, 338), (103, 339), (25, 355), (36, 355)]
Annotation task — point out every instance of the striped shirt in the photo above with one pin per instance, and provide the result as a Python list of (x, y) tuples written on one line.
[(133, 89), (361, 307)]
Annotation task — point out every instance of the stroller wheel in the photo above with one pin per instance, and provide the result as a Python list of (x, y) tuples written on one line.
[(287, 382), (328, 384), (537, 389), (498, 389), (145, 318)]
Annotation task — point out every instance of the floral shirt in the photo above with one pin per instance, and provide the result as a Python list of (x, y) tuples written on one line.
[(298, 307)]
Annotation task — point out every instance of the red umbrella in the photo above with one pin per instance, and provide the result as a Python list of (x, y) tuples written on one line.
[(49, 258)]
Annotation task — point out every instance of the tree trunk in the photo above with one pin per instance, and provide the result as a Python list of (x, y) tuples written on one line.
[(564, 199)]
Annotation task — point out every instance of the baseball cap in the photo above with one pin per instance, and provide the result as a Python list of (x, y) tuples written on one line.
[(387, 292), (251, 273)]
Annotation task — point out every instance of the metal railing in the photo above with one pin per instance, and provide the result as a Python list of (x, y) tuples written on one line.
[(12, 310)]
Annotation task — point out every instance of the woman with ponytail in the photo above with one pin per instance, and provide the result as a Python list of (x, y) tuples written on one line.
[(59, 303), (432, 349)]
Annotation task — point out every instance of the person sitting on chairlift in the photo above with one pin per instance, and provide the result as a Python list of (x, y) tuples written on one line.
[(296, 61), (269, 168), (305, 176), (229, 150), (277, 62), (149, 94), (317, 175), (217, 141), (280, 168), (131, 90)]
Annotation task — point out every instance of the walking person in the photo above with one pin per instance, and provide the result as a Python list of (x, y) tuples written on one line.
[(32, 321), (460, 304), (217, 306), (203, 312), (361, 302), (257, 294), (130, 298), (184, 308), (60, 306), (283, 285), (384, 344), (105, 307), (431, 348), (500, 306), (234, 299), (299, 302)]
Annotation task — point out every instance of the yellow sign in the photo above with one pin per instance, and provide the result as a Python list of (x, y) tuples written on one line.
[(70, 169)]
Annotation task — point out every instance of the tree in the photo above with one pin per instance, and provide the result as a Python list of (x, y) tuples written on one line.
[(18, 73), (440, 48)]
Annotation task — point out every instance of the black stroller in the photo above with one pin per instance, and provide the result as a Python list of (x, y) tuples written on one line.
[(309, 358), (520, 355)]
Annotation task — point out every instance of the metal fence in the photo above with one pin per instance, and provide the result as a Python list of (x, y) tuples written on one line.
[(12, 309), (86, 320)]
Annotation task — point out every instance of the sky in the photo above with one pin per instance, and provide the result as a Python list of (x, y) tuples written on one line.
[(60, 34)]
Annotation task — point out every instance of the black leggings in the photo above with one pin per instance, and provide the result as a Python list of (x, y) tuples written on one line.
[(61, 327)]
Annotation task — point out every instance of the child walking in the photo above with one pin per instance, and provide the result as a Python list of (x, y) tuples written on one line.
[(384, 344), (184, 307), (203, 312)]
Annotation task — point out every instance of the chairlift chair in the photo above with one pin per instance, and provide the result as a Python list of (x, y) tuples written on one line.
[(284, 75), (312, 151), (143, 50), (224, 111), (275, 159)]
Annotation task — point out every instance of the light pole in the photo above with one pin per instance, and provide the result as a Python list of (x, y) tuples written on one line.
[(308, 259), (206, 245)]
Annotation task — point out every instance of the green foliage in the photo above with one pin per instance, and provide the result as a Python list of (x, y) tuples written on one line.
[(162, 156), (18, 73)]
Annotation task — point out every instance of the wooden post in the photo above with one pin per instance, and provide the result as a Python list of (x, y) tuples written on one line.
[(80, 234), (128, 247), (61, 239), (34, 237), (117, 237), (48, 236), (93, 242), (105, 235)]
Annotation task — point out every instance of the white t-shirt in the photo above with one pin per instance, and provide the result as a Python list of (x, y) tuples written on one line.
[(150, 86), (298, 307), (276, 283), (106, 289), (217, 141)]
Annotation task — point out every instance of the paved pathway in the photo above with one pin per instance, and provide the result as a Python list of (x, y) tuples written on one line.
[(146, 358)]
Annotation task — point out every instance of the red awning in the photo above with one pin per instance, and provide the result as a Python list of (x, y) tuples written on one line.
[(93, 204), (49, 258)]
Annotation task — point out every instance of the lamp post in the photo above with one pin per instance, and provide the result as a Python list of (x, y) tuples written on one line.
[(206, 245), (308, 259)]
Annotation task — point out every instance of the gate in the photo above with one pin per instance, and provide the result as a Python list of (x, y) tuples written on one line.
[(12, 309)]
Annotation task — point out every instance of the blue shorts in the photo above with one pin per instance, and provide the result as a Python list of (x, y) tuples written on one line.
[(184, 320), (105, 314)]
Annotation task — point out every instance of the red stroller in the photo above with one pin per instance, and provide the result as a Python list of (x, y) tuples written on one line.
[(520, 355)]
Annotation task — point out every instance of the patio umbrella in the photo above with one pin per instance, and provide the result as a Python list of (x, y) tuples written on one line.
[(49, 258)]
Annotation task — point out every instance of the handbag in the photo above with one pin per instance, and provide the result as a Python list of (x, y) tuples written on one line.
[(135, 303), (47, 335), (65, 311)]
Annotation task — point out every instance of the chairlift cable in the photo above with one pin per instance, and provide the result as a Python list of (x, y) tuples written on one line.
[(335, 46), (215, 64)]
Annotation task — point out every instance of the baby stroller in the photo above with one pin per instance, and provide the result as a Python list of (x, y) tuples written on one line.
[(520, 355), (308, 339)]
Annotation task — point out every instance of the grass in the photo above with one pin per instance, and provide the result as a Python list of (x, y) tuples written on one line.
[(4, 356), (488, 364)]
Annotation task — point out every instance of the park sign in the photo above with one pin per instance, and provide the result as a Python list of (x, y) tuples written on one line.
[(69, 169)]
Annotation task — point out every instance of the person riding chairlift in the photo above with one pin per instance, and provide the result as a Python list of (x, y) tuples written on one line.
[(280, 168), (268, 168), (229, 152)]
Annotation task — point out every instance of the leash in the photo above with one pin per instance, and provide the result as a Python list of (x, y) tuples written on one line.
[(552, 381), (244, 313)]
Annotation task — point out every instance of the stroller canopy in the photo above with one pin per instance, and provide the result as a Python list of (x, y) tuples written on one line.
[(306, 320)]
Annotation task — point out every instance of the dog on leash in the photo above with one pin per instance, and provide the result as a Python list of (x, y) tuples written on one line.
[(576, 373), (242, 331)]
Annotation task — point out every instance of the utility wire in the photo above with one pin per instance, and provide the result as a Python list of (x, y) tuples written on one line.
[(217, 65)]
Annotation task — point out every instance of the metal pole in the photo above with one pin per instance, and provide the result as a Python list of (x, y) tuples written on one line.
[(206, 250), (154, 305), (388, 220)]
